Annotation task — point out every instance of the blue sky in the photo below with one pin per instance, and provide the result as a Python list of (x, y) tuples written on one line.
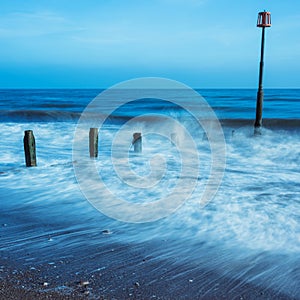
[(98, 43)]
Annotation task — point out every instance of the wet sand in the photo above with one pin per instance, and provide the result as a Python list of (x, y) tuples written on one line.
[(117, 272)]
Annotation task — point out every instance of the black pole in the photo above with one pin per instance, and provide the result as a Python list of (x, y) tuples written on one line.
[(260, 93)]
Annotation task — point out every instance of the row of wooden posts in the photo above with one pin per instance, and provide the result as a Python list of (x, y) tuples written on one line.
[(30, 148)]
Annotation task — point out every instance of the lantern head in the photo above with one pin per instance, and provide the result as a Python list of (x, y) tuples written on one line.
[(264, 19)]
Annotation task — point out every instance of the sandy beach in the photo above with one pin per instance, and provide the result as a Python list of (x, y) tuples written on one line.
[(119, 272)]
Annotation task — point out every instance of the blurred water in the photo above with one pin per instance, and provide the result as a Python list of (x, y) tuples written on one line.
[(250, 231)]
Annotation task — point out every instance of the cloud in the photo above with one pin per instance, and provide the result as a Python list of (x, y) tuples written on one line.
[(185, 2), (96, 40), (32, 24)]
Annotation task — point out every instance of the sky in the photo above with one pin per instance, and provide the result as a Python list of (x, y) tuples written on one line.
[(99, 43)]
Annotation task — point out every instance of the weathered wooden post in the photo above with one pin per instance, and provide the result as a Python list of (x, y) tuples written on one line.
[(264, 20), (137, 142), (93, 142), (29, 148)]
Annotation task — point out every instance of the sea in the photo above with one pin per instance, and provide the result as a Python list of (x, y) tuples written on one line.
[(248, 229)]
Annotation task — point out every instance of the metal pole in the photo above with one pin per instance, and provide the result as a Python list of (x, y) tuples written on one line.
[(260, 93)]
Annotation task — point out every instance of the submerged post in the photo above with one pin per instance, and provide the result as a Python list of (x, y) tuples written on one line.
[(29, 148), (137, 142), (174, 138), (263, 21), (93, 142)]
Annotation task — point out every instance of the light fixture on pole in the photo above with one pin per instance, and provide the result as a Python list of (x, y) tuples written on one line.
[(263, 21)]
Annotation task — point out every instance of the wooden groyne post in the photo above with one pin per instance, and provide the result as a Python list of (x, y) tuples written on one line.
[(137, 142), (263, 21), (93, 142), (29, 148)]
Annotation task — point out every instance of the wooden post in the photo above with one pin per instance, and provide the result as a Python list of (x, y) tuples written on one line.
[(137, 142), (93, 138), (29, 148), (204, 136)]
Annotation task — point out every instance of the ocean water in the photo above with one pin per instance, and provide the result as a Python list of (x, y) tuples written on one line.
[(249, 230)]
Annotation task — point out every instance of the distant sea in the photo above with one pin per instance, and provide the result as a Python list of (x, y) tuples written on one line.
[(249, 232), (39, 105)]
